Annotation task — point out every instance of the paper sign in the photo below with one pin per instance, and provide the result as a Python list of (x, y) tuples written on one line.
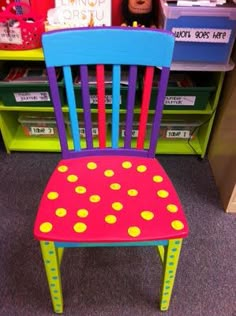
[(201, 35), (180, 100), (108, 99), (134, 133), (83, 13), (10, 35), (37, 130), (177, 134), (32, 96)]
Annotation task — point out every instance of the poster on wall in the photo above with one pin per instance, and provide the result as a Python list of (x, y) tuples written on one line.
[(81, 13)]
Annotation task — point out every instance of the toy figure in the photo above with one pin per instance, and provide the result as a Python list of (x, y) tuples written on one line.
[(140, 12)]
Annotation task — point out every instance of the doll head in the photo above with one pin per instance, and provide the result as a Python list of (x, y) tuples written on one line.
[(140, 6), (140, 11)]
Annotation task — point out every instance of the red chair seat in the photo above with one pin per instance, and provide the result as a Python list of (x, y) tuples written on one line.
[(109, 199)]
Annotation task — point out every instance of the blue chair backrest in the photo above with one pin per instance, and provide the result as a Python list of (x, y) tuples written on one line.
[(76, 50)]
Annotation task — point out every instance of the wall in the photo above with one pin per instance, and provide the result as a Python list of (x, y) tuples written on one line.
[(222, 150)]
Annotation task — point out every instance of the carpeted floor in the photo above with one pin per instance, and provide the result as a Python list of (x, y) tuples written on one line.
[(116, 281)]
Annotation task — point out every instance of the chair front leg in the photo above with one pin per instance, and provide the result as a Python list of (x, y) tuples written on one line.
[(52, 267), (170, 264)]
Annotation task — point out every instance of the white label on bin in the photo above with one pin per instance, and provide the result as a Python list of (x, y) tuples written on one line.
[(108, 99), (177, 133), (134, 133), (180, 100), (32, 96), (82, 131), (183, 34), (37, 130), (10, 35)]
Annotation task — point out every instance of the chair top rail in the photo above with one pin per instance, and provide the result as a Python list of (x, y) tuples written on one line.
[(108, 45)]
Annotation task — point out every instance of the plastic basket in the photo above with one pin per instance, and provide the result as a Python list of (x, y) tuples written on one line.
[(20, 31)]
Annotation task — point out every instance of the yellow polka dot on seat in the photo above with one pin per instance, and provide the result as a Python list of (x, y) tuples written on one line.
[(80, 189), (61, 212), (80, 227), (126, 164), (72, 178), (157, 179), (163, 194), (147, 215), (94, 198), (45, 227), (109, 173), (110, 219), (172, 208), (134, 231), (141, 168), (132, 192), (82, 213), (52, 195), (177, 225), (91, 165), (62, 168), (117, 206), (115, 186)]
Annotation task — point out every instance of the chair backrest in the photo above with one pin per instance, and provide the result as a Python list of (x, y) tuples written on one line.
[(137, 52)]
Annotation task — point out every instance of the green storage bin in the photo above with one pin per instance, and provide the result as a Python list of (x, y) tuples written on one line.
[(38, 125), (108, 96), (108, 88), (186, 97), (28, 94), (27, 85), (178, 129)]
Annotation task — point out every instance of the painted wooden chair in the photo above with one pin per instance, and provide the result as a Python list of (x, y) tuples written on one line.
[(107, 192)]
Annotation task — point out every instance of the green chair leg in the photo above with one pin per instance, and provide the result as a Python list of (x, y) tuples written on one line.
[(52, 267), (170, 264)]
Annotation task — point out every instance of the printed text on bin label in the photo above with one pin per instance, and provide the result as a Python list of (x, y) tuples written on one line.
[(180, 100), (201, 35), (36, 130), (32, 96), (10, 35)]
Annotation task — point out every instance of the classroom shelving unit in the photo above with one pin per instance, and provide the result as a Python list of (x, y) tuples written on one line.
[(15, 140)]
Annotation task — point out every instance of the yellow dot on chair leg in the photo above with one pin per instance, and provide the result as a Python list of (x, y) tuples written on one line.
[(163, 194), (110, 219), (177, 225), (52, 195), (62, 168), (80, 227), (134, 231), (45, 227)]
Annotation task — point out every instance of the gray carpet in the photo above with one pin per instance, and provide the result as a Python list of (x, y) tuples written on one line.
[(116, 281)]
